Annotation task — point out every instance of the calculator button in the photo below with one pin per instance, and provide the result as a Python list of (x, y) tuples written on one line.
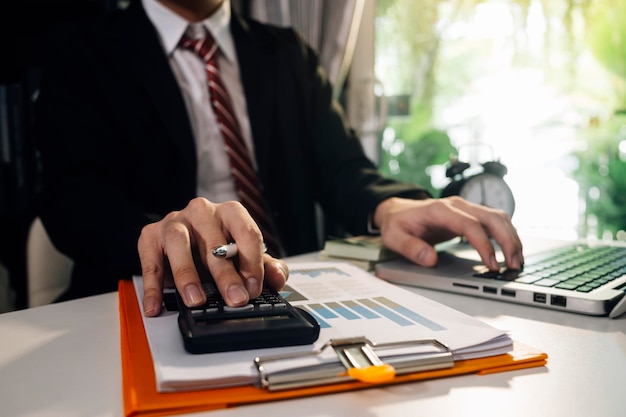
[(242, 308)]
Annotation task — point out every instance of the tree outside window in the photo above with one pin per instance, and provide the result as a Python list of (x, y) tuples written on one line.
[(538, 84)]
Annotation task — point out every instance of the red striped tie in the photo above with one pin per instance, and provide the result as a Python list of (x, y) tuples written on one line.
[(244, 176)]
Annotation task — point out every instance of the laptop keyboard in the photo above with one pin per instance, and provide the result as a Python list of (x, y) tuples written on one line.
[(576, 267)]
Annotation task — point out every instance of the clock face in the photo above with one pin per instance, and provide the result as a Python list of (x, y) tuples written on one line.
[(489, 190)]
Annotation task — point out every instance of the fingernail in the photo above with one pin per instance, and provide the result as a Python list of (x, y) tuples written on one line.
[(193, 296), (252, 285), (150, 306), (237, 294), (425, 258)]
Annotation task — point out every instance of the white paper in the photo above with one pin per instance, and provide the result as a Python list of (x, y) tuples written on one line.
[(348, 302)]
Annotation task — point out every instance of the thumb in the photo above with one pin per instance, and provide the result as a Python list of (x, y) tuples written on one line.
[(415, 249)]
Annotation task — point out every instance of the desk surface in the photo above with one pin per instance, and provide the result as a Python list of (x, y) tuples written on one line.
[(64, 360)]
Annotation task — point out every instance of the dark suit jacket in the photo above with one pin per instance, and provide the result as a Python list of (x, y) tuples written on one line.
[(117, 148)]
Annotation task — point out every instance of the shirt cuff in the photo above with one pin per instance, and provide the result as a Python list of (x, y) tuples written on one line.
[(370, 226)]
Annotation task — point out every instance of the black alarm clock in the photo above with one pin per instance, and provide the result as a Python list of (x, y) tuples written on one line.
[(486, 187)]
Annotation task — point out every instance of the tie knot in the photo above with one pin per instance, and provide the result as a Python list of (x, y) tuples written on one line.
[(201, 43)]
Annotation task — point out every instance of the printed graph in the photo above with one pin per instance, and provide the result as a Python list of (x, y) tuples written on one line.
[(379, 308), (328, 290), (316, 272), (291, 295)]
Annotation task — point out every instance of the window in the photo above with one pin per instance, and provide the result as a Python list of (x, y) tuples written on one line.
[(538, 84)]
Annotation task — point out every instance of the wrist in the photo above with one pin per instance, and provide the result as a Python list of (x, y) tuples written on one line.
[(375, 221)]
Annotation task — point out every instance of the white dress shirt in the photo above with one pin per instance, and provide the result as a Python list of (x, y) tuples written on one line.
[(214, 179)]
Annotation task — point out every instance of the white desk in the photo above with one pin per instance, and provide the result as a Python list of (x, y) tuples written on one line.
[(64, 360)]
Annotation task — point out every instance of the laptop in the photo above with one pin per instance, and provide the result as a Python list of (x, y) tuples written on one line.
[(574, 276)]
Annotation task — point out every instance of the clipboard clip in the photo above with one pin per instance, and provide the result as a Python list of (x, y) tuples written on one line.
[(358, 361)]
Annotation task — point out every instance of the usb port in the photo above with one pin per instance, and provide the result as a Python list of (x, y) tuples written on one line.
[(490, 290), (507, 293), (558, 300), (539, 298)]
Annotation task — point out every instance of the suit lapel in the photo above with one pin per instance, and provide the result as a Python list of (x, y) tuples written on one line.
[(138, 42), (256, 64)]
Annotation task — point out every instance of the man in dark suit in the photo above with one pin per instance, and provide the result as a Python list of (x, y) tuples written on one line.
[(124, 138)]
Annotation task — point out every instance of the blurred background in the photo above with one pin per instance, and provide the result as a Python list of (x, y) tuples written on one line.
[(539, 85)]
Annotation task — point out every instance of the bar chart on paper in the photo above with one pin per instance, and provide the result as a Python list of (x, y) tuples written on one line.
[(332, 295)]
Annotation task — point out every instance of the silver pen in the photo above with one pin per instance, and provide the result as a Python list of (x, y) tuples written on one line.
[(229, 250)]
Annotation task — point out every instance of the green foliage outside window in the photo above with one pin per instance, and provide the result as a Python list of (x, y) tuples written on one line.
[(574, 31), (601, 174), (411, 145)]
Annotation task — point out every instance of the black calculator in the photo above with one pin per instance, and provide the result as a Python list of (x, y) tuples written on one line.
[(267, 321)]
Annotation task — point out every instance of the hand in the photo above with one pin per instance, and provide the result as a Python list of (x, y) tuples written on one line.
[(175, 245), (412, 227)]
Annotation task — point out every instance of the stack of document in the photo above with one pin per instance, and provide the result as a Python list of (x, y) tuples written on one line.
[(348, 303), (364, 251)]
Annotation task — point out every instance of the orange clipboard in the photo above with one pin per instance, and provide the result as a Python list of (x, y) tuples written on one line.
[(140, 397)]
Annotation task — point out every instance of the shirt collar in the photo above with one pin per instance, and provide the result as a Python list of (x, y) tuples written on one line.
[(171, 26)]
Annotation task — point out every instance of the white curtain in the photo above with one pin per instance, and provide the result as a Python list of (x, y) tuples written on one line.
[(330, 26)]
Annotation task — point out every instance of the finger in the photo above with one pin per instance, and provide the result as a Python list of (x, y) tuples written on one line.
[(251, 249), (242, 278), (498, 225), (410, 246), (152, 267), (177, 248), (276, 272), (206, 232), (228, 282), (205, 228), (446, 213)]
